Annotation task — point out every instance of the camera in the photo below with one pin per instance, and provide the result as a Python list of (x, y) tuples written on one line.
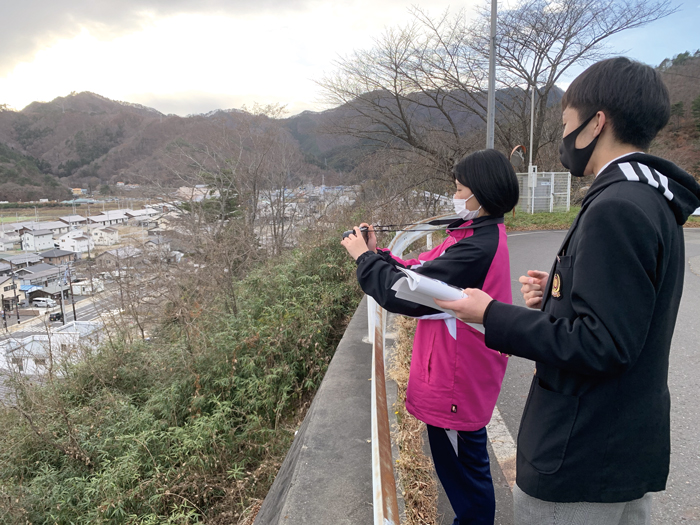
[(364, 230)]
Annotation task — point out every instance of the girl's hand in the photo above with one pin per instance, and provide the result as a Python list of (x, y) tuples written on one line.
[(371, 237), (355, 243)]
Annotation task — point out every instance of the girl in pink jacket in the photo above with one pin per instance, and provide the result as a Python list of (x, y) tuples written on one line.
[(455, 380)]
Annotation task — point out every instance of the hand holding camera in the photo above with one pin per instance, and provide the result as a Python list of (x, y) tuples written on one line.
[(360, 239)]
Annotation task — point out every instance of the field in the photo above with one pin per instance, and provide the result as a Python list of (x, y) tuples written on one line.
[(50, 212)]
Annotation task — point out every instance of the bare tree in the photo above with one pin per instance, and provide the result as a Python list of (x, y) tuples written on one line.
[(539, 41), (422, 88)]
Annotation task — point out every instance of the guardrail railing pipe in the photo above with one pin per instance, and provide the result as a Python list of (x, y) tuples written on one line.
[(385, 499)]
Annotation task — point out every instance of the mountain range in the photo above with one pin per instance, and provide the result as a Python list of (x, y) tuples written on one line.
[(86, 140)]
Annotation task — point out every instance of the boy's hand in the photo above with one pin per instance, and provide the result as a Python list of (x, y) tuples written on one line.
[(470, 309), (534, 285), (371, 237), (355, 243)]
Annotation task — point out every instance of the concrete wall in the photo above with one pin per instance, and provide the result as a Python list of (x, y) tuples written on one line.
[(326, 477)]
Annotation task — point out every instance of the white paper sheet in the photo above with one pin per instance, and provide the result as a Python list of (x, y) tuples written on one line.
[(420, 289)]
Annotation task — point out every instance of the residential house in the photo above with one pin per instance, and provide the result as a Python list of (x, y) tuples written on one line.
[(9, 242), (56, 227), (39, 275), (118, 258), (76, 241), (21, 261), (145, 218), (17, 226), (105, 236), (35, 354), (74, 221), (196, 194), (36, 240), (53, 291), (57, 256), (10, 292), (109, 218), (88, 286), (158, 244)]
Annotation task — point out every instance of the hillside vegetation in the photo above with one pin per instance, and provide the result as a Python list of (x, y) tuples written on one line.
[(26, 178), (679, 141), (190, 427)]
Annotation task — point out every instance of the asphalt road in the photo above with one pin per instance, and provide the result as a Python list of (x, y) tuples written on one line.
[(85, 312), (680, 502)]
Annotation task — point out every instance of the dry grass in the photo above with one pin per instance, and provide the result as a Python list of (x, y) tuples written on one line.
[(413, 467)]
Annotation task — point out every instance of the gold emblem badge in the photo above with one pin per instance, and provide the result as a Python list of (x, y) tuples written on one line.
[(556, 286)]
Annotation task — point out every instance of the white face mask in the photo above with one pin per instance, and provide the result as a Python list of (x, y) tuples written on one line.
[(462, 211)]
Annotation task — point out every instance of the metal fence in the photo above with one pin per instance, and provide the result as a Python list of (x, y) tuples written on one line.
[(545, 191), (385, 500)]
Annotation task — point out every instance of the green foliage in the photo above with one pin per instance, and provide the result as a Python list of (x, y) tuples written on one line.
[(541, 221), (678, 111), (189, 426), (679, 59), (27, 178), (26, 131), (90, 146), (695, 112)]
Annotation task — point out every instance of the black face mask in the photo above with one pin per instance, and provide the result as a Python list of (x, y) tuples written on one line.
[(573, 159)]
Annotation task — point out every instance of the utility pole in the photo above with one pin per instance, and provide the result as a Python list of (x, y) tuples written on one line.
[(89, 232), (532, 120), (491, 108), (72, 297), (14, 287), (60, 291)]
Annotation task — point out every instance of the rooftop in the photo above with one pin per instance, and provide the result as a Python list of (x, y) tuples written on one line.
[(56, 253), (73, 218)]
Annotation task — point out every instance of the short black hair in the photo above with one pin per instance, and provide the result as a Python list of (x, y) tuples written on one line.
[(491, 178), (632, 95)]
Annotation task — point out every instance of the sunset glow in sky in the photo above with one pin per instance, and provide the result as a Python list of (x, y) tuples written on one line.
[(182, 56)]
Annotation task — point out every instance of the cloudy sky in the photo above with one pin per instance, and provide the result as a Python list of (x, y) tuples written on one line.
[(193, 56)]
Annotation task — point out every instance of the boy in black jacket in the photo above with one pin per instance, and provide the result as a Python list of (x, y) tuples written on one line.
[(596, 427)]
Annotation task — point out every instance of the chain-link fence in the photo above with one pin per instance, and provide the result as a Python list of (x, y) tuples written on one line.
[(544, 192)]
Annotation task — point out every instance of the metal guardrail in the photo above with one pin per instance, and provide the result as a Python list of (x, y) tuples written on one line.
[(385, 500)]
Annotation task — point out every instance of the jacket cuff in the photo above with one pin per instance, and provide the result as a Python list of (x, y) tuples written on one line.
[(363, 256), (497, 318), (486, 312)]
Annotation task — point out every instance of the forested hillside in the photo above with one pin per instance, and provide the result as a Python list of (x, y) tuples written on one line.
[(680, 140)]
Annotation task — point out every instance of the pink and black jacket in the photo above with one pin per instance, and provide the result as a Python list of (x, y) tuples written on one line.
[(454, 380)]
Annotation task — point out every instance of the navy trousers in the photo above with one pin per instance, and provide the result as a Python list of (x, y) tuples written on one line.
[(462, 465)]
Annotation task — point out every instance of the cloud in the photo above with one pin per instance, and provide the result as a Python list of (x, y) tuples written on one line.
[(181, 56), (29, 26)]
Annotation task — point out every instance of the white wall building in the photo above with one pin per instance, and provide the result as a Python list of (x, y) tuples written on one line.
[(36, 354), (108, 218), (36, 240), (76, 241), (105, 236)]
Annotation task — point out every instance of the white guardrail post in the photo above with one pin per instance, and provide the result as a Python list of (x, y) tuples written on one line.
[(386, 508)]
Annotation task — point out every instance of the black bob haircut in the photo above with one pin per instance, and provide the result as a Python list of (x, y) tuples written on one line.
[(631, 94), (491, 178)]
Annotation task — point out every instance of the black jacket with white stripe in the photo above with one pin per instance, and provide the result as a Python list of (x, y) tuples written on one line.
[(596, 426)]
